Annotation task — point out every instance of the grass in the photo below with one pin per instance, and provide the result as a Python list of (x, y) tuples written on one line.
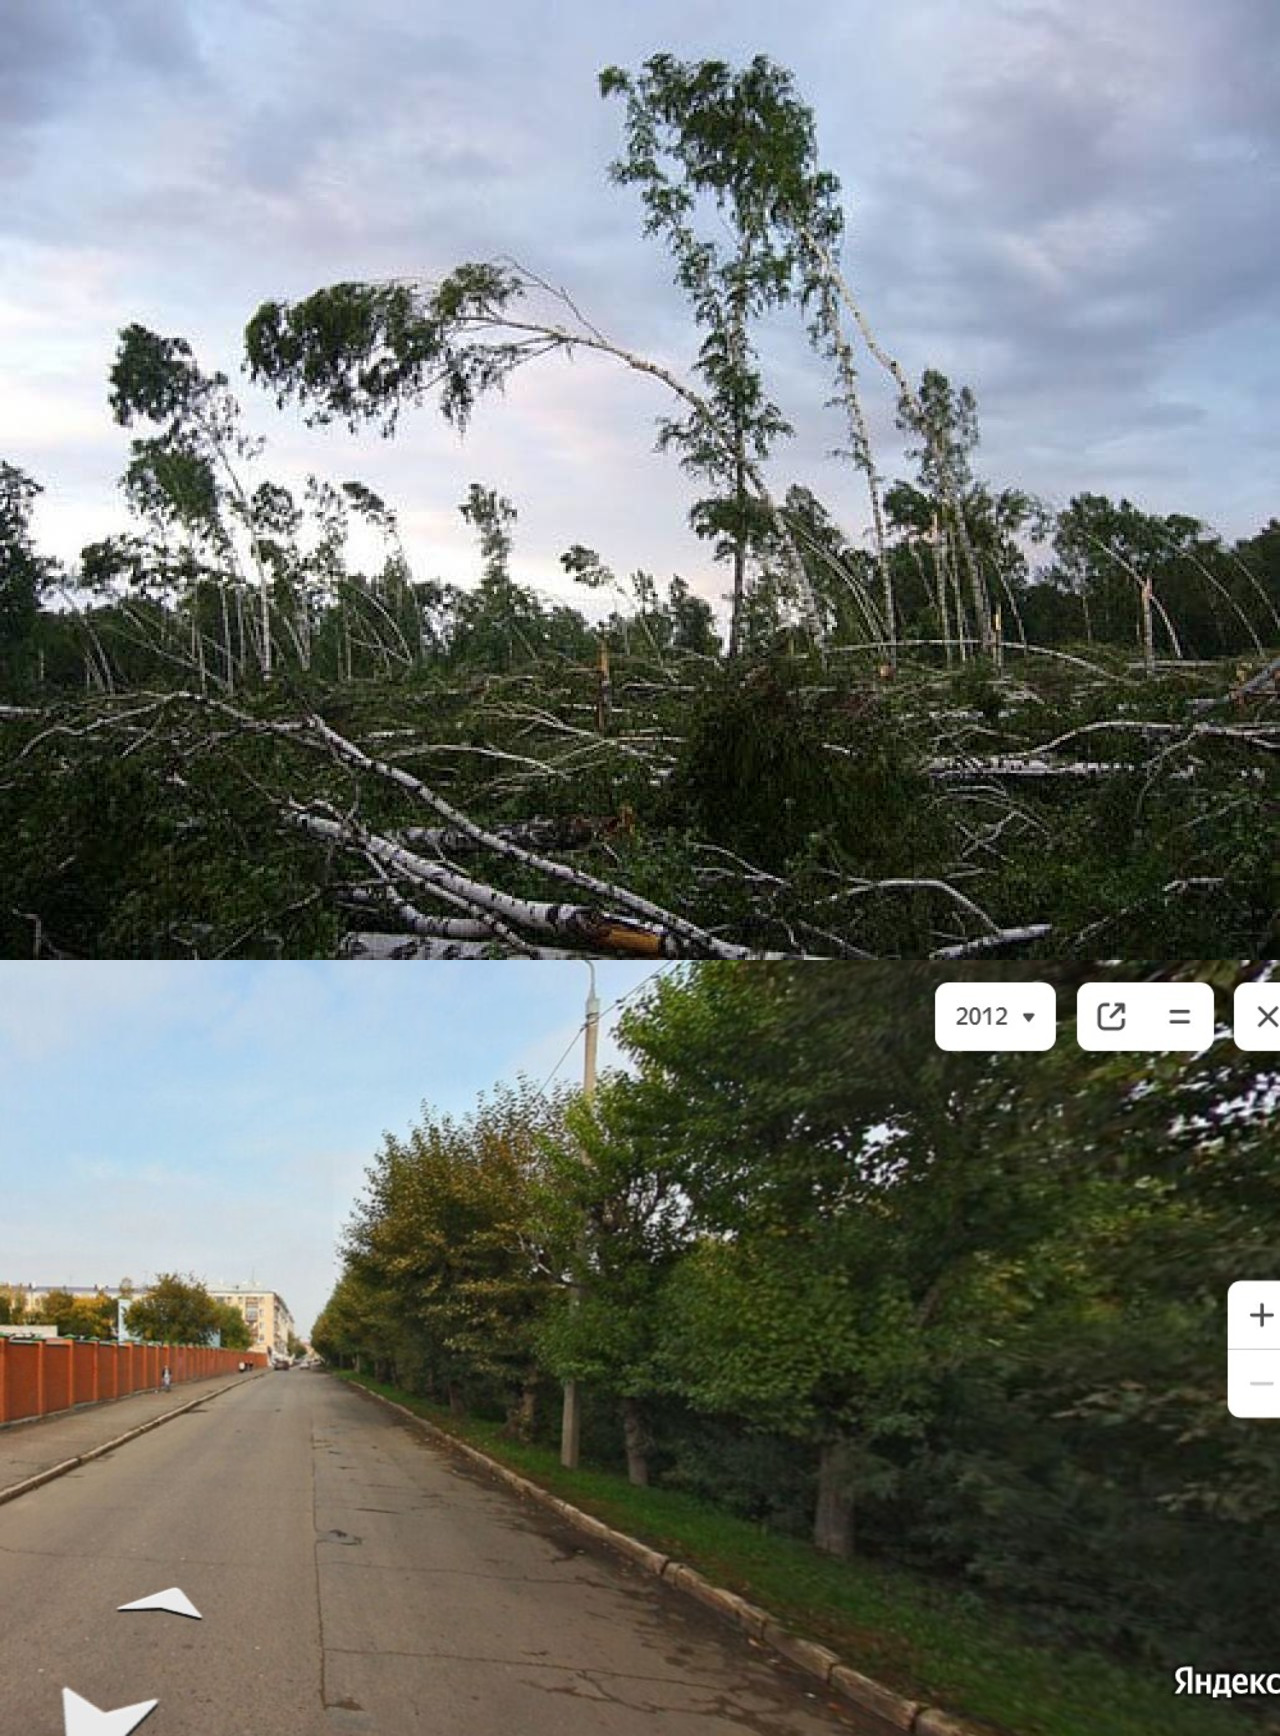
[(931, 1643)]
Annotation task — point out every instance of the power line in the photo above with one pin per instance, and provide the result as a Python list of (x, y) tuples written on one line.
[(664, 970)]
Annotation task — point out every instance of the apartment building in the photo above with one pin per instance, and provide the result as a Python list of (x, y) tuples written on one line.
[(268, 1319), (32, 1296)]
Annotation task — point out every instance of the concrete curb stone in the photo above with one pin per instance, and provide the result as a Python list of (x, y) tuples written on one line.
[(814, 1659), (890, 1708), (893, 1711), (931, 1722), (748, 1617)]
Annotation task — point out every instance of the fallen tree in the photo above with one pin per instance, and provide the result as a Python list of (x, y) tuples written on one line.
[(795, 809)]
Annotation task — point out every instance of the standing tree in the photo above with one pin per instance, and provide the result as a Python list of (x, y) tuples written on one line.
[(447, 1236), (847, 1181), (748, 142), (686, 114), (232, 1327), (23, 576), (945, 423), (497, 615), (175, 1311), (1110, 555), (606, 1329), (175, 475), (80, 1316)]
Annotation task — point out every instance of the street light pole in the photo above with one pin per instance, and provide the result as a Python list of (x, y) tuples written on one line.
[(571, 1419)]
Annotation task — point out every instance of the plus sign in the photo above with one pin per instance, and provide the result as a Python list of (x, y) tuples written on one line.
[(1263, 1315)]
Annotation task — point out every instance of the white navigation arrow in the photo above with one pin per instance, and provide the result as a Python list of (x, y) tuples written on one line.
[(82, 1717), (175, 1601)]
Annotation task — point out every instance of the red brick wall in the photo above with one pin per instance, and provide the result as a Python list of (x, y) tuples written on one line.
[(54, 1374)]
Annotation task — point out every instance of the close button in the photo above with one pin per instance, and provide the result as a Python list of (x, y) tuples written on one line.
[(1256, 1016)]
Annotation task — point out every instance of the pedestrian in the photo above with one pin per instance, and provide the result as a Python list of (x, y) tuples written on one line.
[(166, 1379)]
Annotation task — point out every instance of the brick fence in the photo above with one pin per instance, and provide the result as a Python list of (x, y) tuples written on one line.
[(54, 1374)]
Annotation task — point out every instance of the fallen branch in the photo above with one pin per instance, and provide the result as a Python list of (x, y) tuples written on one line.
[(538, 834), (990, 942), (676, 927), (583, 925), (393, 946)]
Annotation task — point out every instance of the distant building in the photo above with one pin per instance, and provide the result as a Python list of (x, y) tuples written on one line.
[(269, 1321), (33, 1295)]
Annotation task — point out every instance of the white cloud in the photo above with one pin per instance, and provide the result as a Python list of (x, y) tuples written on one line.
[(1057, 205)]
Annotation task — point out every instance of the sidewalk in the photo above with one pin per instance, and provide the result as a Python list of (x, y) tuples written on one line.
[(31, 1451)]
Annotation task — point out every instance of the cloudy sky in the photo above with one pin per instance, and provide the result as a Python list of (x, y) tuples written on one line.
[(219, 1121), (1069, 207)]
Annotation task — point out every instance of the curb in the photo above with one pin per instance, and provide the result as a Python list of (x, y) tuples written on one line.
[(892, 1711), (61, 1469)]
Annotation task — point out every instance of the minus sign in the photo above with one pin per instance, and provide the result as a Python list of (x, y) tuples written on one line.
[(1262, 1383)]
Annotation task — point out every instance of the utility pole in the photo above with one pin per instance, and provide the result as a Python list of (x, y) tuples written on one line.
[(571, 1420)]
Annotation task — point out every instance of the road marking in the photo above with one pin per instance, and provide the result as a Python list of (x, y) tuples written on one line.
[(175, 1601), (82, 1718)]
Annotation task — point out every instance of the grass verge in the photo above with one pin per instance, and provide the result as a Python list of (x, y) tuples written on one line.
[(932, 1643)]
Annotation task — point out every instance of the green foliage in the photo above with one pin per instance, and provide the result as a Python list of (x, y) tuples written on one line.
[(747, 141), (177, 847), (362, 351), (975, 687), (756, 773), (175, 1311), (945, 423), (447, 1236), (24, 575), (858, 782), (79, 1316), (995, 1280), (232, 1327)]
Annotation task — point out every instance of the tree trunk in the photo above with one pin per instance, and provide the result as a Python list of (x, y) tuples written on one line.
[(242, 642), (739, 575), (228, 668), (457, 1405), (521, 1414), (833, 1521), (636, 1438), (266, 628), (604, 693)]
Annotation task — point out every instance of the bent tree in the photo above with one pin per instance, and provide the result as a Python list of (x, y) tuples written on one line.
[(748, 143), (364, 351), (697, 135)]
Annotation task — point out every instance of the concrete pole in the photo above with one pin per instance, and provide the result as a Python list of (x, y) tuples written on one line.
[(571, 1418)]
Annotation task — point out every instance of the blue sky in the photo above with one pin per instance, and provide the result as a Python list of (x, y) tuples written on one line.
[(1067, 206), (218, 1119)]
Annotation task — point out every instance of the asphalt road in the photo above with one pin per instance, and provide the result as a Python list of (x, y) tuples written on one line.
[(352, 1578)]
